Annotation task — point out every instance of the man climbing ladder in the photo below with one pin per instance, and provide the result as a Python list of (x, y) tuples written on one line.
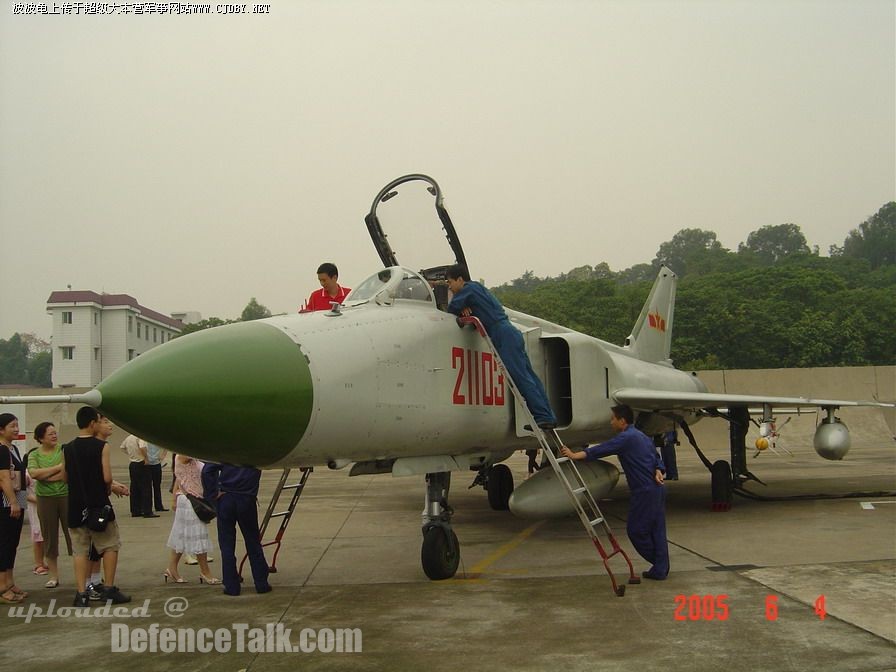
[(471, 298)]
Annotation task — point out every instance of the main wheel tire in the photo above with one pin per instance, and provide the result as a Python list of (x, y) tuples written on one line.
[(439, 560), (499, 487), (722, 486)]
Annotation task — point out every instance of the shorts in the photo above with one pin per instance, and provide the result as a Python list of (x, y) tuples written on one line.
[(107, 540)]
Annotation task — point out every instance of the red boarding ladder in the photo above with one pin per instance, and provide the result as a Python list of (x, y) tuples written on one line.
[(285, 515)]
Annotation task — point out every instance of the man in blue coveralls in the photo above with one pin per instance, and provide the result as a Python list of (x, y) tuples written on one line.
[(234, 491), (644, 471), (471, 298)]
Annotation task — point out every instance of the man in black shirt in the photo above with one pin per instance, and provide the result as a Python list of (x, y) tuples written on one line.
[(87, 469)]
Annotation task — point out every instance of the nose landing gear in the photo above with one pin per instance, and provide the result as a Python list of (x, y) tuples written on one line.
[(440, 553)]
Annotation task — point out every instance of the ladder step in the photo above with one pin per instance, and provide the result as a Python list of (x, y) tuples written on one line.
[(280, 514), (562, 459), (596, 521), (294, 486), (579, 491)]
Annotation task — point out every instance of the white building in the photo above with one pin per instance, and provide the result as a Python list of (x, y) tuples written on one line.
[(188, 316), (94, 334)]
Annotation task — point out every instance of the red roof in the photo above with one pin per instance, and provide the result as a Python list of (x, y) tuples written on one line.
[(109, 300)]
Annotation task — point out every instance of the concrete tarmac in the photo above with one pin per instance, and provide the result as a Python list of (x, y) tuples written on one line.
[(529, 595)]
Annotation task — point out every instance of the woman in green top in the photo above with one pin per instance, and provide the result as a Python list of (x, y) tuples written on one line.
[(45, 467)]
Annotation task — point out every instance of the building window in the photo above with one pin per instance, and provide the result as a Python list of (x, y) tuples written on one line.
[(130, 324), (96, 318), (68, 351), (138, 330), (66, 317), (130, 354), (155, 335), (96, 354)]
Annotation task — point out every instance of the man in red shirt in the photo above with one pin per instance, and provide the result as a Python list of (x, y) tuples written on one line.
[(330, 290)]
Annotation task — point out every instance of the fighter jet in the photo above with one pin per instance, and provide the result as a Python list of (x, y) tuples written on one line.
[(389, 383)]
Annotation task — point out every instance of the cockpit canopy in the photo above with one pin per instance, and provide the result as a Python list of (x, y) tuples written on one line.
[(395, 282)]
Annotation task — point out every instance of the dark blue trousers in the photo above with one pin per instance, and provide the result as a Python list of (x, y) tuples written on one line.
[(647, 527), (509, 344), (240, 510), (668, 453)]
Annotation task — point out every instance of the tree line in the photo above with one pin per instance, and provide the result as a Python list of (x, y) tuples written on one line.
[(25, 359), (772, 303)]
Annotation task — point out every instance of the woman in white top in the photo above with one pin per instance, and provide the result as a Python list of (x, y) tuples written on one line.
[(188, 534)]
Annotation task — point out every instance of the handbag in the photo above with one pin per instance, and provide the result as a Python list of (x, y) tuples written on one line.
[(204, 511), (16, 477), (96, 518)]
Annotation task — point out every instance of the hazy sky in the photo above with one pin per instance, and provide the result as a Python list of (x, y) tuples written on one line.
[(197, 161)]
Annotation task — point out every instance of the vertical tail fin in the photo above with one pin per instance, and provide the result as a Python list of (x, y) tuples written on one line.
[(651, 338)]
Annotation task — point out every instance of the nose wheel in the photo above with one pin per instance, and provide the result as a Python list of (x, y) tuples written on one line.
[(440, 554)]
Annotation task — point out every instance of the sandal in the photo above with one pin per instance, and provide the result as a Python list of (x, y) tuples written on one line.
[(176, 579), (18, 591), (52, 583), (41, 570), (10, 597)]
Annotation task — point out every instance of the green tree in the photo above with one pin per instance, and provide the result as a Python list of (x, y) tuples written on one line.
[(637, 273), (687, 248), (254, 311), (527, 281), (35, 344), (874, 239), (13, 361), (40, 369), (773, 243)]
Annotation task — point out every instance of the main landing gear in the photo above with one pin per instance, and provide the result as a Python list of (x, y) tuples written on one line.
[(497, 480), (440, 553), (499, 487), (728, 476)]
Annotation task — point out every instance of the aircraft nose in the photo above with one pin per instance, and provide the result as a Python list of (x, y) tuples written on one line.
[(239, 393)]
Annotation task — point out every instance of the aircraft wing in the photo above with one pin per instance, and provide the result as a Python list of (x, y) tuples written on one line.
[(671, 400)]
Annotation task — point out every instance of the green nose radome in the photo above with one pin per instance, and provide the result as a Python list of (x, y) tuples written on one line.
[(240, 393)]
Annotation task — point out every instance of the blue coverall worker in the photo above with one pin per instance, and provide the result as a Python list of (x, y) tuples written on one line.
[(234, 491), (471, 298), (644, 470)]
